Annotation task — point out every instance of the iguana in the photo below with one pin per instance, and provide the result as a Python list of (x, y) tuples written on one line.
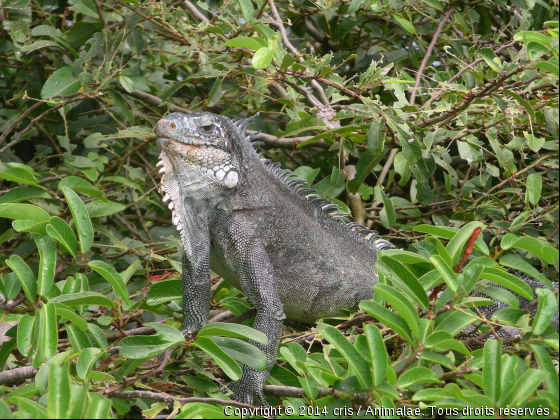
[(262, 231), (295, 255)]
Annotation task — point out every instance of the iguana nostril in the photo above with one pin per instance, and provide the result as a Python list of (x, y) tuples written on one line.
[(165, 127)]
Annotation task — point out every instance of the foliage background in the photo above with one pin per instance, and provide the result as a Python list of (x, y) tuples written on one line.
[(419, 117)]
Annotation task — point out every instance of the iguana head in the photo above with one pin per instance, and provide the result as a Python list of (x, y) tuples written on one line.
[(203, 142), (198, 159)]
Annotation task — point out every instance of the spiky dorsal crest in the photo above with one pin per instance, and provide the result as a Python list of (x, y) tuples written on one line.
[(242, 124), (299, 186)]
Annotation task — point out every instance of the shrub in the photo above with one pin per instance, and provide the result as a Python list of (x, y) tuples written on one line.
[(433, 122)]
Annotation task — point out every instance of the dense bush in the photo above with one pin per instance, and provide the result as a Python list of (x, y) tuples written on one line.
[(430, 121)]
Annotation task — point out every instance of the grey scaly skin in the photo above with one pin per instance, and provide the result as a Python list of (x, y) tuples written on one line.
[(241, 217), (264, 233)]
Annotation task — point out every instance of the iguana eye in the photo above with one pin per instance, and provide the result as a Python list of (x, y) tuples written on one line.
[(207, 128)]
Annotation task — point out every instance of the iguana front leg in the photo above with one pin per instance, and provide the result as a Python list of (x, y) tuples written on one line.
[(257, 280), (196, 287)]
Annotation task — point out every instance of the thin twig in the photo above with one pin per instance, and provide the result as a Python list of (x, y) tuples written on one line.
[(429, 53), (194, 11)]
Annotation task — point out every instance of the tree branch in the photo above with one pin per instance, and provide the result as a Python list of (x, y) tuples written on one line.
[(429, 53)]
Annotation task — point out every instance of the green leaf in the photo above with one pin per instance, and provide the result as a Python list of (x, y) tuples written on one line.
[(534, 189), (368, 160), (23, 212), (355, 361), (58, 400), (81, 218), (508, 240), (507, 280), (488, 55), (31, 407), (242, 352), (86, 7), (546, 252), (46, 332), (216, 92), (84, 298), (10, 286), (492, 369), (164, 291), (387, 215), (525, 385), (400, 304), (168, 330), (376, 138), (406, 24), (61, 82), (22, 193), (78, 338), (406, 257), (138, 347), (454, 345), (546, 365), (548, 66), (244, 42), (417, 375), (222, 359), (457, 244), (87, 361), (232, 330), (98, 335), (19, 175), (379, 356), (354, 6), (24, 334), (536, 50), (330, 133), (127, 83), (129, 272), (99, 208), (513, 261), (441, 249), (114, 278), (524, 103), (508, 316), (397, 273), (529, 36), (547, 307), (287, 61), (456, 322), (98, 407), (449, 233), (262, 57), (389, 318), (247, 10), (446, 272), (47, 263), (436, 337), (201, 410), (28, 390), (32, 226), (78, 401), (61, 232), (65, 312), (25, 276)]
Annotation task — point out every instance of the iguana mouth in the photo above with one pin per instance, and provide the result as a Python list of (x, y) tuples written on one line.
[(164, 142), (215, 161)]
